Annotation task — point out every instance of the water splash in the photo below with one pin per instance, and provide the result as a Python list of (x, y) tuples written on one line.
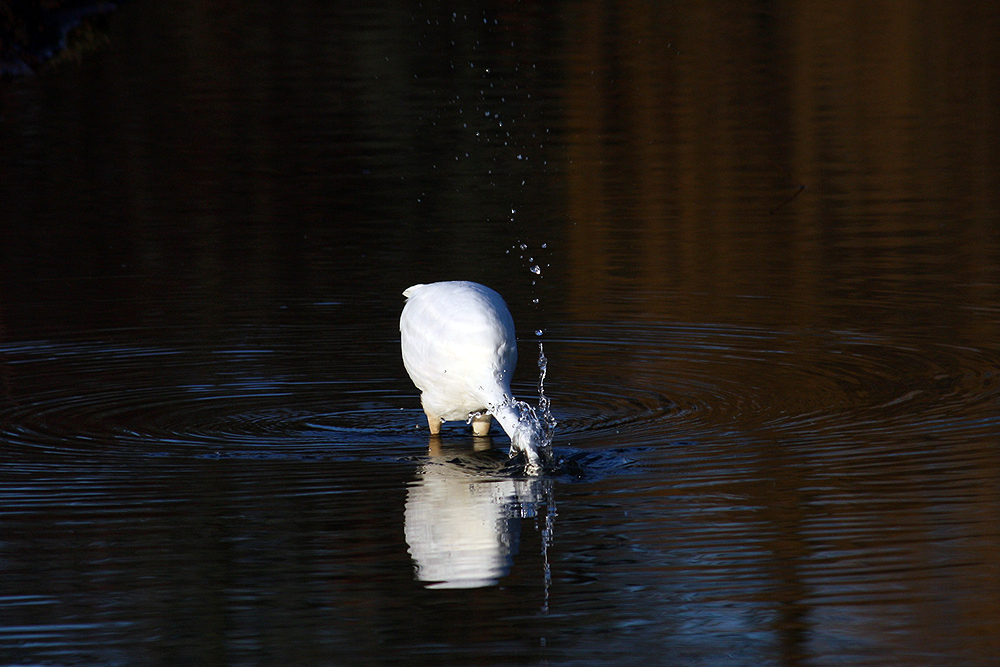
[(543, 400), (536, 427)]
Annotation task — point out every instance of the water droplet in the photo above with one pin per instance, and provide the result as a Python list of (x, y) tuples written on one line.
[(537, 270), (535, 300), (538, 332)]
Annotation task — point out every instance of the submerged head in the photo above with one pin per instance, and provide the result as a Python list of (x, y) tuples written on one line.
[(531, 435)]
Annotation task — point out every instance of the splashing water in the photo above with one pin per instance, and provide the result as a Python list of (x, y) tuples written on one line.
[(536, 426), (543, 400)]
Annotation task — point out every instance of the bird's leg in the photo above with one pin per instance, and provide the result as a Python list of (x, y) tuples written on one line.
[(433, 423), (481, 424)]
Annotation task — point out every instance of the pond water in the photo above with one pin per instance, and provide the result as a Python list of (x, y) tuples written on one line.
[(766, 243)]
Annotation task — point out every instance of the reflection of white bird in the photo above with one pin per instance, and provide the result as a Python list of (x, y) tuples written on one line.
[(463, 526), (461, 529), (459, 349)]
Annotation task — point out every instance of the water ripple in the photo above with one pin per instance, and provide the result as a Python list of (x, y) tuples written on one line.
[(709, 381), (668, 382), (95, 398)]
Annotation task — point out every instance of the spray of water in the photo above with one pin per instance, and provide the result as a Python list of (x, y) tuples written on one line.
[(536, 426), (543, 400)]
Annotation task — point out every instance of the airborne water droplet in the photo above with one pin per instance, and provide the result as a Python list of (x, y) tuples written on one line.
[(537, 270)]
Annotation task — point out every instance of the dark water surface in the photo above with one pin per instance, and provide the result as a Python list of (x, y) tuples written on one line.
[(767, 240)]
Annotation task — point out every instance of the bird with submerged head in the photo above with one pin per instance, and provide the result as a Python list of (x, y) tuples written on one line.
[(459, 349)]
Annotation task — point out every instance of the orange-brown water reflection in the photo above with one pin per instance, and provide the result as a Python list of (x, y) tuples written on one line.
[(690, 132)]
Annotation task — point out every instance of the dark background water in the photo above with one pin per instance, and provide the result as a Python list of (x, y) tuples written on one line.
[(767, 237)]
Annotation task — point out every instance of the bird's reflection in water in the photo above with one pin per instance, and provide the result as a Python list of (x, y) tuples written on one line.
[(463, 516)]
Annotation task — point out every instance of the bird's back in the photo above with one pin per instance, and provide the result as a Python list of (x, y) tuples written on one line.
[(458, 346)]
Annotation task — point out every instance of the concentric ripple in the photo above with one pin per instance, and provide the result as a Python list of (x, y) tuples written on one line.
[(655, 382), (636, 383), (102, 398)]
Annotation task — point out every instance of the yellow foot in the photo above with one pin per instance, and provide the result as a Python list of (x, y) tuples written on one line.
[(433, 423), (481, 425)]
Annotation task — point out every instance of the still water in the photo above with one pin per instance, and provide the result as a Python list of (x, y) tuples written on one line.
[(760, 243)]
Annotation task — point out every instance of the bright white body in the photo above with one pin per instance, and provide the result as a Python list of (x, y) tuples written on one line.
[(459, 349)]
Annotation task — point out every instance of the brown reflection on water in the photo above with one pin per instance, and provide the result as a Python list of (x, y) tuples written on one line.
[(690, 133)]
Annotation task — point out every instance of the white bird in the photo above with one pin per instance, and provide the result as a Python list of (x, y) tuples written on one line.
[(459, 349)]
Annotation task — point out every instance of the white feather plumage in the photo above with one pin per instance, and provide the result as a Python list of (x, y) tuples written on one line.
[(460, 350)]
